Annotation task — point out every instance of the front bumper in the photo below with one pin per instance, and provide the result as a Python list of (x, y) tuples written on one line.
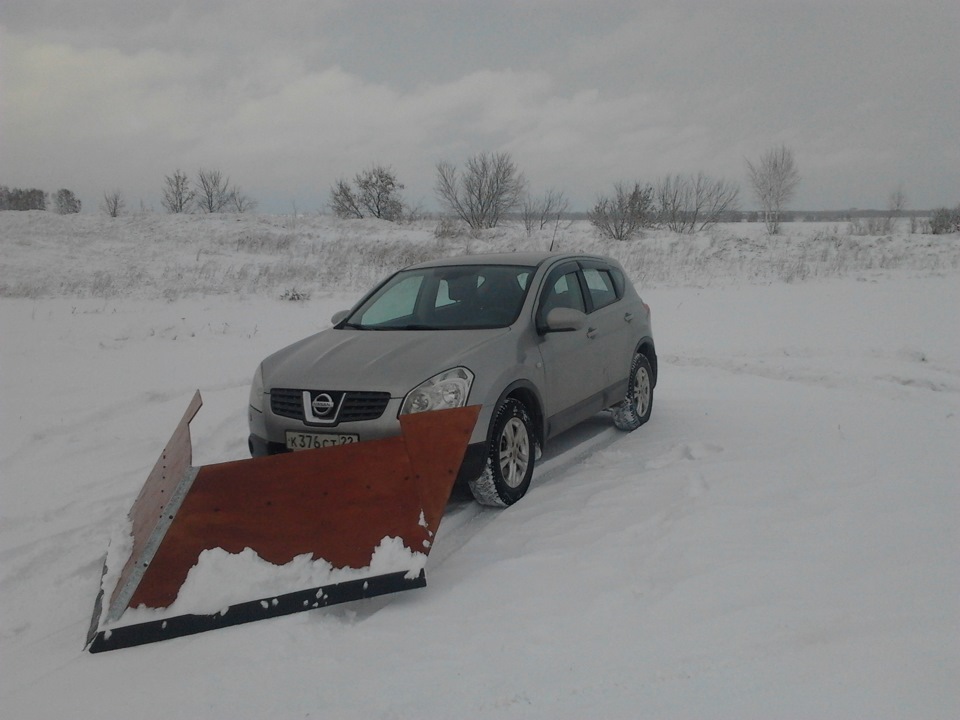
[(268, 433), (270, 429), (474, 459)]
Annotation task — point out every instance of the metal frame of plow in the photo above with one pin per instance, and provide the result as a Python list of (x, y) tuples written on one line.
[(336, 504)]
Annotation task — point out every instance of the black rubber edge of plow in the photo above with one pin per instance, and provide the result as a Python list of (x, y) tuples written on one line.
[(181, 625)]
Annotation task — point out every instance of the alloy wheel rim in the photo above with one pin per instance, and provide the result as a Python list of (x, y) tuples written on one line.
[(514, 452), (642, 391)]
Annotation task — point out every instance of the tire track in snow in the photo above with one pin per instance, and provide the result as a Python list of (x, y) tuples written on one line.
[(464, 519), (884, 372)]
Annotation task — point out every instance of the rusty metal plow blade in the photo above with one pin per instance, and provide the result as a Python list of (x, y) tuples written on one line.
[(345, 522)]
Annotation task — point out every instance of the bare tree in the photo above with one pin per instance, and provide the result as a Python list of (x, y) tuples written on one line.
[(178, 196), (688, 203), (945, 221), (113, 203), (625, 214), (375, 193), (548, 208), (774, 181), (379, 192), (212, 191), (673, 200), (67, 203), (489, 187), (240, 202), (343, 201), (722, 197), (896, 205)]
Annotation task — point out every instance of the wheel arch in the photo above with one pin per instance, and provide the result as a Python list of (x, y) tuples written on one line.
[(527, 393), (646, 348)]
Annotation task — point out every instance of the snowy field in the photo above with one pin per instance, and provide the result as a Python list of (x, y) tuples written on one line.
[(780, 541)]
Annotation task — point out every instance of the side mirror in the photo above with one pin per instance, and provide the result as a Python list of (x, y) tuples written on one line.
[(565, 320), (339, 316)]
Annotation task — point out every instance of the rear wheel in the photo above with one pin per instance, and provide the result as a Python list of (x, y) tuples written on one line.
[(636, 407), (510, 457)]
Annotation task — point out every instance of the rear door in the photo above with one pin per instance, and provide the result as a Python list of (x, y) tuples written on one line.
[(610, 319)]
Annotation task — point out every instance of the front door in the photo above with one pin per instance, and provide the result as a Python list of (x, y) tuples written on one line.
[(573, 372)]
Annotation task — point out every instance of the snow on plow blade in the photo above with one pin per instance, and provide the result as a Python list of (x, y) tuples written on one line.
[(365, 513)]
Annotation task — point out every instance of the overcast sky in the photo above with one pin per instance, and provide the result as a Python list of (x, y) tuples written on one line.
[(285, 96)]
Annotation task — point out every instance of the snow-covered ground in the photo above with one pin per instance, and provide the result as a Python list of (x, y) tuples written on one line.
[(781, 540)]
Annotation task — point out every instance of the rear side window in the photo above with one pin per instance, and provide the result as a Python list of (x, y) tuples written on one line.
[(600, 285)]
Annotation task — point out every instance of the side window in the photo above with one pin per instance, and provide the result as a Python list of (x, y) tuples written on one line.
[(601, 287), (619, 282), (443, 294), (564, 292)]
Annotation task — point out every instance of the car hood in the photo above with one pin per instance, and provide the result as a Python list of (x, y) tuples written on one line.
[(393, 361)]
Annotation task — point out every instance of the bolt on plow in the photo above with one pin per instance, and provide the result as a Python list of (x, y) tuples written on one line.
[(297, 531)]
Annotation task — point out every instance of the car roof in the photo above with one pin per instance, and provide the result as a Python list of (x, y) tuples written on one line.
[(531, 259)]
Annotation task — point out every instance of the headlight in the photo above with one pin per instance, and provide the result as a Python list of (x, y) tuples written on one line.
[(256, 390), (449, 389)]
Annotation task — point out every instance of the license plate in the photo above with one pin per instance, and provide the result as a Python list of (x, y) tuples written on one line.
[(311, 441)]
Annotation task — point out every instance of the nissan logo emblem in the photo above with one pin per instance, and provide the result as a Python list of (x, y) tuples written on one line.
[(322, 405)]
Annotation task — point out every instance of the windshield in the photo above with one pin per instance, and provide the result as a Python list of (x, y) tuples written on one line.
[(456, 297)]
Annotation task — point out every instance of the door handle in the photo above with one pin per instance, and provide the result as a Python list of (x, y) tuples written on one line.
[(591, 333), (628, 317)]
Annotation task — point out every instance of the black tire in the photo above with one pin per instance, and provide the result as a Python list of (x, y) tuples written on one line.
[(510, 458), (636, 407)]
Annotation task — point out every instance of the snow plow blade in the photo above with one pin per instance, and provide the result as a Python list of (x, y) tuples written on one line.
[(362, 517)]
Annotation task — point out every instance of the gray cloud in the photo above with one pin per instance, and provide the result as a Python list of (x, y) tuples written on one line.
[(287, 96)]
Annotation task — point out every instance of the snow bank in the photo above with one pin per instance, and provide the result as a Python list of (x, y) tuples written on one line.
[(147, 255), (779, 541), (220, 579)]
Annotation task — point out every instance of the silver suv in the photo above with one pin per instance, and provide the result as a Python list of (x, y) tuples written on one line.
[(540, 341)]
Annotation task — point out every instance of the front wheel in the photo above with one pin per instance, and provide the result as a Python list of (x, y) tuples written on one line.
[(510, 458), (636, 407)]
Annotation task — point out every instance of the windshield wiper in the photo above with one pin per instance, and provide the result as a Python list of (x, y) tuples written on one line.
[(412, 326)]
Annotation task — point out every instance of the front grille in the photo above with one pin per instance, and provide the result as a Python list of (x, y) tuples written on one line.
[(357, 405), (288, 403)]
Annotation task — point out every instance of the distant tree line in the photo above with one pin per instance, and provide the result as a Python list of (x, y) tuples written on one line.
[(210, 192), (682, 203), (22, 199), (480, 196), (64, 201), (489, 187)]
